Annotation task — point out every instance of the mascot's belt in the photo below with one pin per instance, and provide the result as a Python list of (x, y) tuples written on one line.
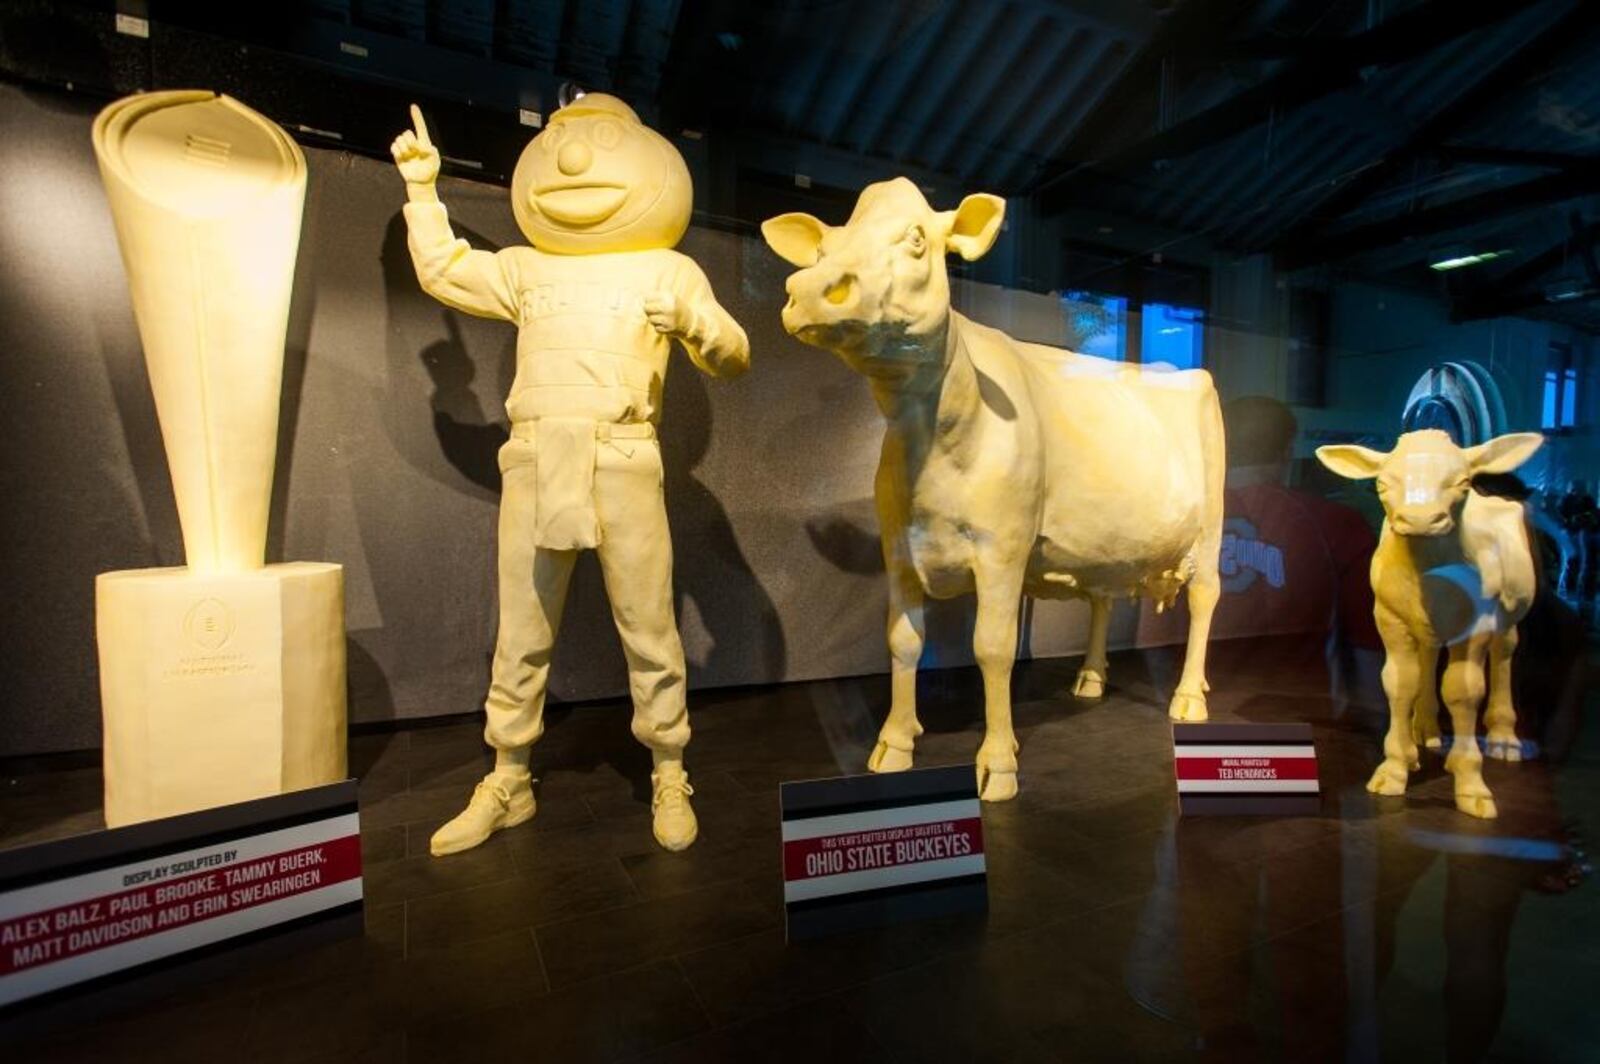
[(564, 455)]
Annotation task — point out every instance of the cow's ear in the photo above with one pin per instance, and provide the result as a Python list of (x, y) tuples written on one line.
[(795, 237), (1349, 460), (974, 225), (1503, 453)]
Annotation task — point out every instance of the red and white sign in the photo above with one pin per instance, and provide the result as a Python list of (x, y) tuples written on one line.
[(1247, 769), (65, 931), (1241, 769), (853, 852)]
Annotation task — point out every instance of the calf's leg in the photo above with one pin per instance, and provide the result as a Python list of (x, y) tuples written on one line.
[(1500, 718), (1463, 690), (1091, 682), (994, 644), (1425, 714), (906, 632), (1402, 678)]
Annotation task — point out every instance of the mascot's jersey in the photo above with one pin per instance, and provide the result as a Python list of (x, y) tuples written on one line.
[(584, 347)]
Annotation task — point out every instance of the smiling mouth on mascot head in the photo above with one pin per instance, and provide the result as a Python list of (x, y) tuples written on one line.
[(597, 180)]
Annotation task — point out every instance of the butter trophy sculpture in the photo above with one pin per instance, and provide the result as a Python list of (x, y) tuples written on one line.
[(1008, 468), (1453, 569), (222, 680), (597, 300)]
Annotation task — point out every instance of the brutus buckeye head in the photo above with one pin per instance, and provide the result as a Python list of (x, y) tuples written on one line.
[(598, 180)]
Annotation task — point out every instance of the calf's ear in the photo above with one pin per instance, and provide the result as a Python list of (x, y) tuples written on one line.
[(1503, 453), (1349, 460), (974, 225), (795, 237)]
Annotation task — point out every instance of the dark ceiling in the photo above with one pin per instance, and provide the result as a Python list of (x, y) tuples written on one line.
[(1357, 136)]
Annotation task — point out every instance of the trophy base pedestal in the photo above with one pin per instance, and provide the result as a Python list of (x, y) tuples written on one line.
[(219, 688)]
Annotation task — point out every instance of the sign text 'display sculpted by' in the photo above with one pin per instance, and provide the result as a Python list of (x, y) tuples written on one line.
[(1008, 468)]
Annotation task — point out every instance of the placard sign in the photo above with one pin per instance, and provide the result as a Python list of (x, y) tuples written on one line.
[(86, 907), (1245, 769), (866, 850)]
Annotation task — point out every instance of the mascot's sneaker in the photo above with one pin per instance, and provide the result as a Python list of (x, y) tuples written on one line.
[(499, 802), (675, 826)]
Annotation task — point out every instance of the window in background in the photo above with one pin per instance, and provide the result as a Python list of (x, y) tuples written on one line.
[(1175, 335), (1560, 407), (1097, 324)]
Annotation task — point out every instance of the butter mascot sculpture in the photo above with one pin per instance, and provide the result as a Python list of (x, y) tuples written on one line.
[(222, 680), (597, 300), (1453, 569), (1008, 468)]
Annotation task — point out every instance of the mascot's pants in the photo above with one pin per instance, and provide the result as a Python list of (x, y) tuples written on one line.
[(636, 558)]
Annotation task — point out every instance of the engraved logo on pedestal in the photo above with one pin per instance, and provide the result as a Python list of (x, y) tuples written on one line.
[(209, 623)]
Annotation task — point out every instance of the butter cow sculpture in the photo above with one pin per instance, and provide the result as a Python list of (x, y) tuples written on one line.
[(596, 300), (1453, 568), (1007, 467)]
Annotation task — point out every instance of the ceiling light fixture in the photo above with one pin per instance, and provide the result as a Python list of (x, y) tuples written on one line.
[(1468, 260)]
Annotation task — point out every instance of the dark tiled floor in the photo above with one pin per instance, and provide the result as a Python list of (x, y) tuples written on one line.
[(1379, 930)]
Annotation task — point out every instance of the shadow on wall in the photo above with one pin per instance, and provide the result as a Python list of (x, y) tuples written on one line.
[(843, 542), (435, 444), (741, 623), (468, 439)]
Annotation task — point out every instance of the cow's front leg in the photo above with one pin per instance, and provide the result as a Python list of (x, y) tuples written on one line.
[(1402, 672), (1425, 713), (1091, 682), (994, 644), (1500, 718), (900, 730), (1189, 700), (1463, 691)]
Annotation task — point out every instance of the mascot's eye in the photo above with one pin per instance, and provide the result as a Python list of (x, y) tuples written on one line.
[(552, 137), (916, 240), (607, 134)]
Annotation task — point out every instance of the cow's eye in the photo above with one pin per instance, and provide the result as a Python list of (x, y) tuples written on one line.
[(916, 240)]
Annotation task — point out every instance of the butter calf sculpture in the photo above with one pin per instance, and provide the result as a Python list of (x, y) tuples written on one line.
[(1453, 568), (597, 301), (1008, 468)]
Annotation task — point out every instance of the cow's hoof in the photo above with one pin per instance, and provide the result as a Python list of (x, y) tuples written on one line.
[(1478, 805), (1426, 735), (997, 770), (1091, 683), (1188, 705), (1503, 747), (1390, 779), (886, 758), (996, 785)]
